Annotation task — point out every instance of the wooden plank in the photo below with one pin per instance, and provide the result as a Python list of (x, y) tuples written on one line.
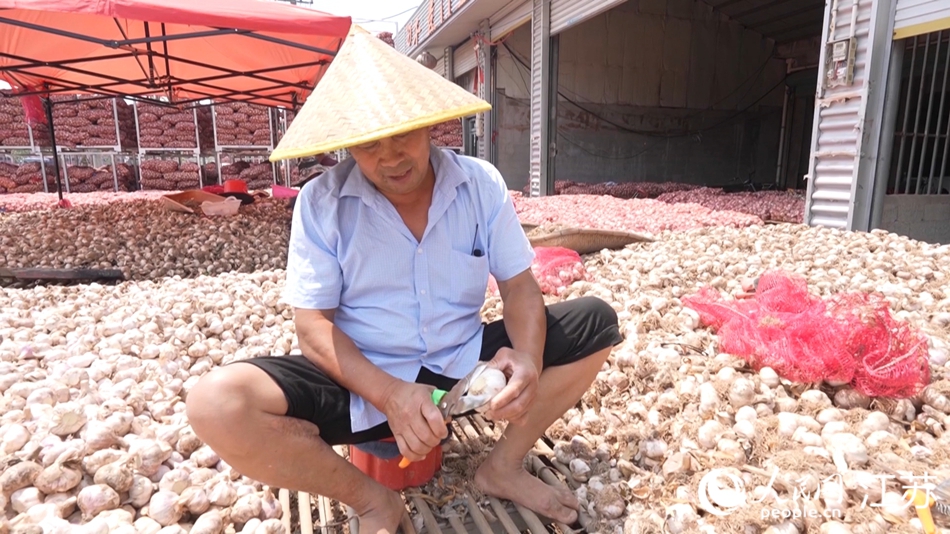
[(535, 525), (432, 526), (304, 509), (539, 469), (284, 497), (457, 524), (62, 274), (503, 516), (477, 516)]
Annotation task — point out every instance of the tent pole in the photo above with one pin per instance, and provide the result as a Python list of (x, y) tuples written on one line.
[(48, 101)]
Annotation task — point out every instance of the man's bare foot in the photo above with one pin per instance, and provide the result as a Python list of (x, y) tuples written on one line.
[(384, 517), (517, 485)]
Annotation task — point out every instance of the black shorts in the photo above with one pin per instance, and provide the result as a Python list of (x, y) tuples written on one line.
[(576, 329)]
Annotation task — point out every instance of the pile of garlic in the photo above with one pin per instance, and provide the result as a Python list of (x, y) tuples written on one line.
[(145, 241), (93, 379), (92, 424), (669, 408)]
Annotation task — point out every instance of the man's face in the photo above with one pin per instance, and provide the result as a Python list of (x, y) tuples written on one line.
[(397, 165)]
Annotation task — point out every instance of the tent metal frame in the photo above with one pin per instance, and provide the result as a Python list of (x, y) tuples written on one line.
[(152, 82)]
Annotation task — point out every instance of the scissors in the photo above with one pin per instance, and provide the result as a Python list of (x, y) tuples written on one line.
[(456, 401)]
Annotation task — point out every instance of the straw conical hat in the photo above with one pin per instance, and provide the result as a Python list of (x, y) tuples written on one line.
[(370, 92)]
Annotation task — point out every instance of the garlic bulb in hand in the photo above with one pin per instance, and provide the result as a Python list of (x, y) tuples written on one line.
[(487, 383)]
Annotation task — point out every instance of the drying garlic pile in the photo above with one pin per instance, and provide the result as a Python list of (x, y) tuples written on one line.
[(93, 426), (146, 241), (93, 380), (668, 408)]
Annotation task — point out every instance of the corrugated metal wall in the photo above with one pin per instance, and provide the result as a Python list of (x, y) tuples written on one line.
[(917, 17), (568, 13), (839, 189), (429, 16), (440, 66), (540, 43), (465, 58), (511, 20)]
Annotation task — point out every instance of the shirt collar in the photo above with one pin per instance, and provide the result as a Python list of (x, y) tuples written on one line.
[(448, 176)]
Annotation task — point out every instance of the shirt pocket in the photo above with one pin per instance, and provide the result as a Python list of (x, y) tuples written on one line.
[(469, 279)]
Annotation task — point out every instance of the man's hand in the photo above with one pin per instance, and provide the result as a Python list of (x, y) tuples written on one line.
[(513, 402), (415, 420)]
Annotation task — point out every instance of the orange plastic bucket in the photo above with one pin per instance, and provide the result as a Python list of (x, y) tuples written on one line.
[(389, 474)]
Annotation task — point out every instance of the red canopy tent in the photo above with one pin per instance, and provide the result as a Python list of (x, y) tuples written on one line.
[(268, 53), (255, 51)]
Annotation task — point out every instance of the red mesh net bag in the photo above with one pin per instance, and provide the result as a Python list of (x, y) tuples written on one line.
[(891, 359), (555, 268), (849, 338), (33, 110)]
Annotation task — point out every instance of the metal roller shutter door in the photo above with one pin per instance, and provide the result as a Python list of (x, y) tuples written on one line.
[(465, 58), (569, 13), (511, 20), (917, 17)]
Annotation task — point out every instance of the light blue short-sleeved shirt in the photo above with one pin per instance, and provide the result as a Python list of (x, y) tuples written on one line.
[(405, 303)]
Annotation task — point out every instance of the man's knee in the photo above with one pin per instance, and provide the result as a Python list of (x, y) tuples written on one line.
[(224, 396), (600, 312)]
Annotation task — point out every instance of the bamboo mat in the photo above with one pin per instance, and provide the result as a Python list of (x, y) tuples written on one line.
[(310, 514)]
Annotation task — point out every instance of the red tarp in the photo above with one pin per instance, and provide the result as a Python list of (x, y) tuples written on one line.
[(266, 52)]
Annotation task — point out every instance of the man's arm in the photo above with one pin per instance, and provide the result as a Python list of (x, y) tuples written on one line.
[(334, 353), (524, 316), (526, 325), (415, 420)]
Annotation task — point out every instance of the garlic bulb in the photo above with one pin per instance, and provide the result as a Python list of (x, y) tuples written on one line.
[(245, 508), (223, 494), (187, 443), (251, 526), (92, 463), (176, 480), (488, 383), (708, 398), (58, 478), (165, 507), (769, 377), (19, 476), (147, 525), (116, 475), (270, 506), (68, 418), (26, 498), (195, 500), (208, 523), (140, 492), (14, 438), (95, 499), (271, 526), (741, 393), (204, 456)]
